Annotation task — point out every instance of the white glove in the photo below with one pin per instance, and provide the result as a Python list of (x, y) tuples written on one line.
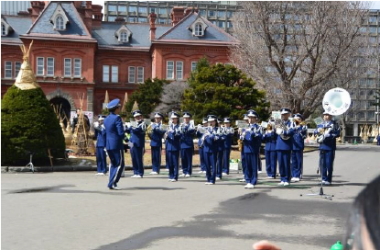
[(96, 124), (279, 131)]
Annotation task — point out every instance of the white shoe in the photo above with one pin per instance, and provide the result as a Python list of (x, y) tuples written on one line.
[(170, 179), (182, 175), (207, 183), (246, 186), (327, 183), (153, 172), (281, 183), (134, 176), (296, 179), (173, 180), (187, 175), (286, 184), (99, 174), (259, 172), (203, 172), (217, 178), (249, 186), (242, 180)]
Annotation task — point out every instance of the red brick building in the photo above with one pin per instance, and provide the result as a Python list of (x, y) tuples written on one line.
[(76, 56)]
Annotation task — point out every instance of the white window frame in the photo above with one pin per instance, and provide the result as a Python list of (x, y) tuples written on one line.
[(124, 36), (179, 70), (106, 73), (193, 65), (8, 70), (140, 74), (198, 29), (50, 64), (4, 31), (170, 71), (67, 69), (60, 23), (77, 68), (114, 73), (131, 74), (17, 68), (40, 67)]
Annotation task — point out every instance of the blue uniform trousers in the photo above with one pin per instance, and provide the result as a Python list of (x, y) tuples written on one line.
[(202, 159), (210, 160), (172, 162), (283, 157), (187, 160), (327, 164), (101, 160), (251, 161), (271, 163), (243, 165), (259, 167), (137, 160), (219, 164), (116, 166), (156, 158), (226, 160), (297, 163)]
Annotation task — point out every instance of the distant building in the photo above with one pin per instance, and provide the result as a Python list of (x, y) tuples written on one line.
[(217, 12), (14, 7)]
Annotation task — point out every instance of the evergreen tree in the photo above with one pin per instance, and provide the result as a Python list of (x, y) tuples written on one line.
[(147, 96), (28, 123), (222, 90)]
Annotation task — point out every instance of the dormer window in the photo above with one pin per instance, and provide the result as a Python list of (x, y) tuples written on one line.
[(5, 28), (59, 18), (198, 28), (123, 34)]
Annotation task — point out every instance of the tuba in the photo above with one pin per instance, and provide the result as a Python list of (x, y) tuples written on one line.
[(280, 126), (336, 101)]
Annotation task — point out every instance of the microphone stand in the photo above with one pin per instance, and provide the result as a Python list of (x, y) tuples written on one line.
[(321, 193)]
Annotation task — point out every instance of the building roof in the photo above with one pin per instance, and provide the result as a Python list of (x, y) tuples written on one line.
[(140, 34), (181, 33), (75, 29), (19, 25)]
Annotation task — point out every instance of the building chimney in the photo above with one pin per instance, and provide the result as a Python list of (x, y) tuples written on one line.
[(177, 14), (152, 23), (191, 10), (37, 7), (97, 16)]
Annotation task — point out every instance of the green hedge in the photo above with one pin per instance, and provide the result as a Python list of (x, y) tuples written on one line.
[(28, 123)]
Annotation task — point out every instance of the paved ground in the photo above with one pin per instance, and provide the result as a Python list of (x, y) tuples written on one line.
[(75, 210)]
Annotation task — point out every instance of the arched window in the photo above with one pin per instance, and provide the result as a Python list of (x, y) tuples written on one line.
[(59, 23), (123, 37), (198, 29), (3, 30)]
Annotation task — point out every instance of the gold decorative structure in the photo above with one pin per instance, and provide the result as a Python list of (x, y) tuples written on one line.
[(25, 78), (135, 106), (80, 137)]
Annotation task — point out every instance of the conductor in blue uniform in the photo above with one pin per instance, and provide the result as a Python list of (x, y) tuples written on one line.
[(187, 131), (284, 145), (210, 149), (101, 156), (200, 147), (114, 142), (270, 138), (156, 142), (327, 131), (137, 142), (300, 132), (172, 146), (252, 137)]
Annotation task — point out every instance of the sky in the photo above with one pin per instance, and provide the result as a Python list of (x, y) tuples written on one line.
[(375, 4)]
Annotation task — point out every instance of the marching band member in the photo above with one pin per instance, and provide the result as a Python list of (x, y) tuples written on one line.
[(270, 138), (156, 142), (220, 149), (137, 142), (284, 146), (200, 148), (229, 133), (328, 132), (114, 142), (251, 147), (187, 145), (300, 133), (245, 118), (101, 156), (172, 146), (210, 149)]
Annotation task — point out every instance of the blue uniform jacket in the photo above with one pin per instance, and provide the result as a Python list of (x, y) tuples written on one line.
[(156, 137), (252, 138), (100, 133), (137, 135), (173, 138), (114, 132), (211, 141), (228, 138), (299, 136), (199, 135), (286, 144), (270, 141), (329, 143), (187, 135)]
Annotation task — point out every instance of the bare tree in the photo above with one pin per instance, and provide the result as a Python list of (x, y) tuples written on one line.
[(171, 97), (293, 49)]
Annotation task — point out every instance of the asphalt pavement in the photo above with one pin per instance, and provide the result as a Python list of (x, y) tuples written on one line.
[(76, 210)]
